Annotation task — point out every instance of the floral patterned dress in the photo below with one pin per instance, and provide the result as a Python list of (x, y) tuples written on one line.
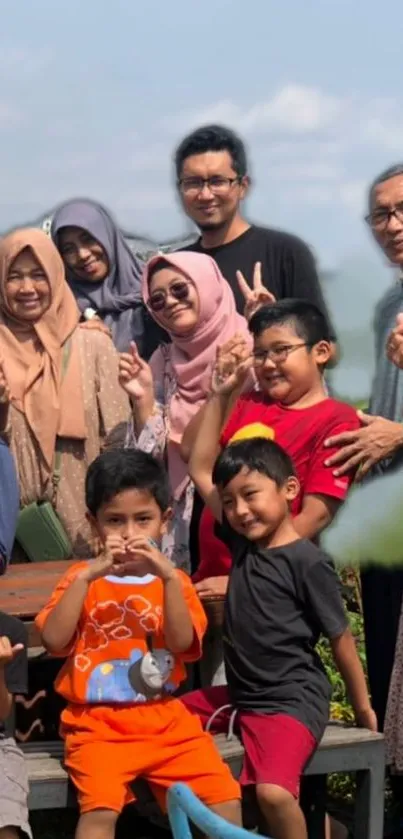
[(153, 439), (393, 728)]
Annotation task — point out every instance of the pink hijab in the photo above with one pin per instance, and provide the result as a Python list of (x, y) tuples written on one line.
[(192, 356)]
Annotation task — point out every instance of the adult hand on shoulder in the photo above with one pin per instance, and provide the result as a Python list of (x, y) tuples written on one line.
[(255, 296), (394, 344), (212, 587), (377, 439), (97, 324), (232, 365), (8, 651), (4, 388), (135, 375)]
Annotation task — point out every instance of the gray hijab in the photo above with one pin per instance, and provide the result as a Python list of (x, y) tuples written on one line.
[(117, 299)]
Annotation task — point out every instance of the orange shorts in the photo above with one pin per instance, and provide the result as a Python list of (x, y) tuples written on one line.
[(108, 747)]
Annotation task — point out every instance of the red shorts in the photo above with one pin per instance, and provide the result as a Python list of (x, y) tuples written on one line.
[(277, 746)]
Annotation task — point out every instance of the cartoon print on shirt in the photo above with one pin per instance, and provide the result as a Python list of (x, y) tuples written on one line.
[(150, 676), (141, 676), (109, 681), (136, 679)]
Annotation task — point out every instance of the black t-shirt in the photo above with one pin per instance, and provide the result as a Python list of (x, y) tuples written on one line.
[(288, 266), (16, 673), (279, 602)]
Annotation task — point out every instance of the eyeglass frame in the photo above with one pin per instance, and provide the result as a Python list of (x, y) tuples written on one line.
[(286, 349), (207, 182), (389, 213)]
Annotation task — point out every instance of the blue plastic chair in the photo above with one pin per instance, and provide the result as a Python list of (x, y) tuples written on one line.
[(183, 806)]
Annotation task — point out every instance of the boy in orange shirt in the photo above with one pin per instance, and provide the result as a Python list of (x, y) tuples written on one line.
[(126, 622)]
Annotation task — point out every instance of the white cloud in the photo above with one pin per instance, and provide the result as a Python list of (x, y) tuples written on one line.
[(294, 109)]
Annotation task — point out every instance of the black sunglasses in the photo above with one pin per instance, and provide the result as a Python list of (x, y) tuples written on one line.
[(179, 290)]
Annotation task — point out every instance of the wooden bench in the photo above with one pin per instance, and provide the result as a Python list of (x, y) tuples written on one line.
[(23, 592), (343, 749), (25, 588)]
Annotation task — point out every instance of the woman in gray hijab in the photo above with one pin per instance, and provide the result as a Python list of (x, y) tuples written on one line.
[(104, 275)]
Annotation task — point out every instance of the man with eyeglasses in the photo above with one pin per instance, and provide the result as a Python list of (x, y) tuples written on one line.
[(377, 447), (212, 178)]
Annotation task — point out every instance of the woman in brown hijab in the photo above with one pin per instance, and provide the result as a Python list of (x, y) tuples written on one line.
[(45, 401)]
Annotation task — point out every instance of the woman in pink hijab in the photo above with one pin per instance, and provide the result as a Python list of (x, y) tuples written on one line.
[(188, 296)]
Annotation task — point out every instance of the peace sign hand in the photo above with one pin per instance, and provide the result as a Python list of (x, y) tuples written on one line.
[(258, 295)]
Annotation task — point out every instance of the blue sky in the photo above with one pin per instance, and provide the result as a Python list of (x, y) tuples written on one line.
[(95, 95)]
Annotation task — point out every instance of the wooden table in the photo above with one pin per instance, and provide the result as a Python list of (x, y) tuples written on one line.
[(25, 588)]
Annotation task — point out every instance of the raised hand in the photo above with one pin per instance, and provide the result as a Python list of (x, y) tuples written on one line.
[(232, 365), (110, 561), (255, 296), (135, 375), (4, 388), (8, 651)]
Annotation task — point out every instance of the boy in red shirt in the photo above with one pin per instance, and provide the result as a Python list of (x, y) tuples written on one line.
[(126, 623), (292, 347)]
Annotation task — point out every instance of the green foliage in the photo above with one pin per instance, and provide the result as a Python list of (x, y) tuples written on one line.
[(343, 786)]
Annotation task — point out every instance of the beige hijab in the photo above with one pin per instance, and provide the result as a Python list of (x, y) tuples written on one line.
[(32, 354)]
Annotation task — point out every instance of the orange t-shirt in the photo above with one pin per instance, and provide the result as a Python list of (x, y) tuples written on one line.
[(118, 654)]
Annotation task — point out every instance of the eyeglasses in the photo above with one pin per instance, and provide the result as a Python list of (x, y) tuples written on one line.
[(276, 354), (179, 290), (380, 218), (216, 184)]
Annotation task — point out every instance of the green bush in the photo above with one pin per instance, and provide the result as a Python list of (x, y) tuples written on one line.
[(343, 786)]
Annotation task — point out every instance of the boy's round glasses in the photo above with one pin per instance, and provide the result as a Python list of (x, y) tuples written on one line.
[(277, 354)]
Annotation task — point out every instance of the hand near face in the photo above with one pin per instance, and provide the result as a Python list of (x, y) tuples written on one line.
[(256, 295), (110, 561), (232, 365), (144, 557), (135, 375)]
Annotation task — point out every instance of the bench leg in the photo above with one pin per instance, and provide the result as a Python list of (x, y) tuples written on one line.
[(370, 803), (313, 804)]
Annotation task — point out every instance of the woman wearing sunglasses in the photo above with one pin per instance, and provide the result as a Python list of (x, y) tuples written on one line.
[(188, 297)]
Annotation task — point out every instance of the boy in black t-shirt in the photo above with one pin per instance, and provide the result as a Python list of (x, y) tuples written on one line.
[(13, 773), (283, 593)]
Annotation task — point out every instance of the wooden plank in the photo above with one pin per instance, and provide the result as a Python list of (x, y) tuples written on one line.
[(214, 609), (25, 588), (49, 780)]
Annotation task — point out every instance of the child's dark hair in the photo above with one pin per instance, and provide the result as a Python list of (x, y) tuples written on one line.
[(256, 455), (115, 470), (309, 323), (212, 138)]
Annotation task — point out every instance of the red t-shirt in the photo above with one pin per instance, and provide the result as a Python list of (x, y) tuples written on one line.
[(302, 434)]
